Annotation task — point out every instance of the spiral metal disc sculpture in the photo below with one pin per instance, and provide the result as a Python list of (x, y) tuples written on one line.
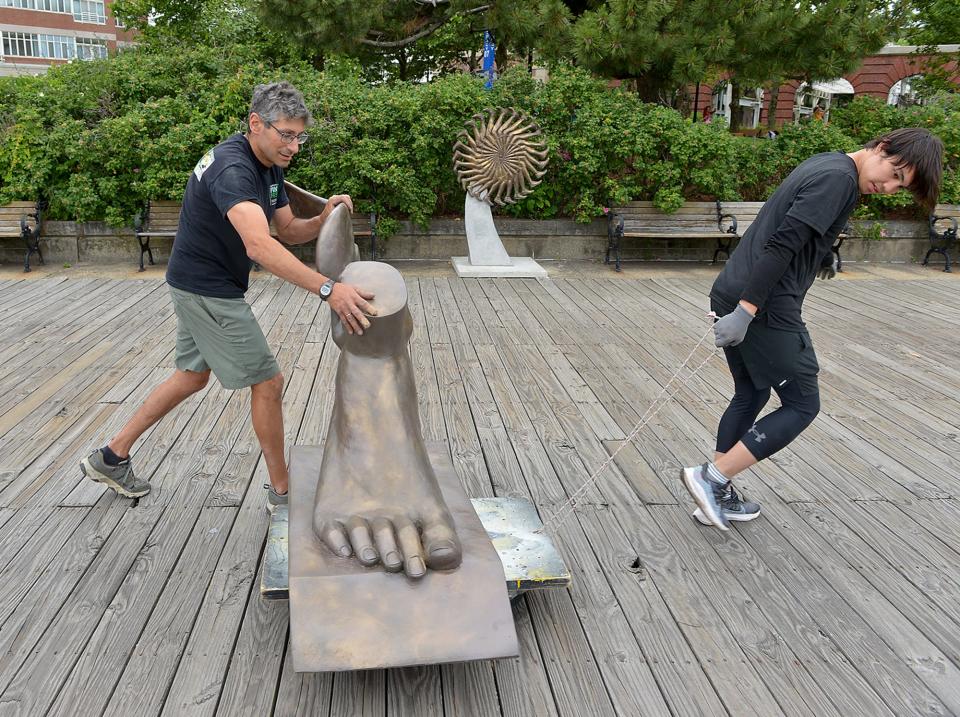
[(500, 157)]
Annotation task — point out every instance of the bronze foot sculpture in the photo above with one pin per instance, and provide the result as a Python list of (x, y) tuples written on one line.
[(378, 498)]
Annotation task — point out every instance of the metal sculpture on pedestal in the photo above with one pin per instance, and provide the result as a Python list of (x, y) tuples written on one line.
[(499, 158)]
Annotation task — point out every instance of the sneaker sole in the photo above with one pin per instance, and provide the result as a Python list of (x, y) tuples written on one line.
[(732, 517), (95, 475), (700, 498)]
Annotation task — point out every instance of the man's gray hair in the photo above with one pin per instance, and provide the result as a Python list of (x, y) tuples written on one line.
[(279, 99)]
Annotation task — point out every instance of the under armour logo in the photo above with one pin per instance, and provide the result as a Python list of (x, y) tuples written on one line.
[(755, 432)]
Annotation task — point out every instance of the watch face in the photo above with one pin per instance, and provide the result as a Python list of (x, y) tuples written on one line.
[(326, 289)]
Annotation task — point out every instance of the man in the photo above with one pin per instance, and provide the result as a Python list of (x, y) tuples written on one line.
[(233, 193), (760, 292)]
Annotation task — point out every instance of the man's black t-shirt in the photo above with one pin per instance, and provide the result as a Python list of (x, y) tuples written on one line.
[(821, 193), (208, 256)]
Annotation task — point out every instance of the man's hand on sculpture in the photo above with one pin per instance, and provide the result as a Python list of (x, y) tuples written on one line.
[(732, 328), (352, 306), (336, 199)]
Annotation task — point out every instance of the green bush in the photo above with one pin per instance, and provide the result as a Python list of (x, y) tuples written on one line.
[(98, 139)]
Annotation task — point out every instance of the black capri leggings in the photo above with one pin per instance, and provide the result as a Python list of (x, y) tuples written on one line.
[(765, 437)]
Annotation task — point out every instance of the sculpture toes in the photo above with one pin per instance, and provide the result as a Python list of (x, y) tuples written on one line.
[(332, 534), (441, 545), (409, 538), (386, 541), (361, 541)]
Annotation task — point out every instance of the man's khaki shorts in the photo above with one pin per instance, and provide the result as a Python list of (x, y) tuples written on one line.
[(221, 335)]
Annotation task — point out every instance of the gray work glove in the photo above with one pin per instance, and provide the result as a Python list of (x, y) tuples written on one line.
[(828, 269), (729, 330)]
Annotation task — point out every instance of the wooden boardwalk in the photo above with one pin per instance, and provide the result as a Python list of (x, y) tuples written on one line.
[(843, 599)]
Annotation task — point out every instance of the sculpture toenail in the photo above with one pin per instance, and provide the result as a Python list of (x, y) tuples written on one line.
[(369, 555), (442, 550), (345, 551), (416, 566), (393, 558)]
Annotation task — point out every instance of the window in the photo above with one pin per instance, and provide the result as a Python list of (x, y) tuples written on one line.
[(903, 93), (58, 47), (21, 44), (52, 47), (89, 11), (64, 6), (89, 49)]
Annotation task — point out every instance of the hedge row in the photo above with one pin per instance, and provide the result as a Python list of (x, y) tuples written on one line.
[(99, 138)]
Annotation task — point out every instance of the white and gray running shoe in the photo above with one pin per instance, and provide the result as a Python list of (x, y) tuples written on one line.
[(734, 508), (706, 494), (119, 477)]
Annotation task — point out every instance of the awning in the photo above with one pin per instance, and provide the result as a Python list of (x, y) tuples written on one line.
[(838, 86)]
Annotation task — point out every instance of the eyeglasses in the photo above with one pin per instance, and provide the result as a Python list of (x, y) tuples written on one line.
[(288, 137)]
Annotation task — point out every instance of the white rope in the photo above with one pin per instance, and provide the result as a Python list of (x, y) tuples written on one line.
[(568, 507)]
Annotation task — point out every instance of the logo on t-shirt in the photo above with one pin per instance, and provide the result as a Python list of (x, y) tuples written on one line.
[(205, 161), (274, 190)]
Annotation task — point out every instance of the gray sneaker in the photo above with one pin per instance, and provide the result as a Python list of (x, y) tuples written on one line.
[(734, 508), (274, 499), (119, 477), (706, 494)]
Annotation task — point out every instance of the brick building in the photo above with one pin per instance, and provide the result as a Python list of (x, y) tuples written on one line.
[(885, 75), (35, 34)]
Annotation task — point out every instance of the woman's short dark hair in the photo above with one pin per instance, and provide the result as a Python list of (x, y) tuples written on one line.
[(920, 150)]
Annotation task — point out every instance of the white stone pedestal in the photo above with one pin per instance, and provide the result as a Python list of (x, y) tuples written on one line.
[(487, 257), (520, 267)]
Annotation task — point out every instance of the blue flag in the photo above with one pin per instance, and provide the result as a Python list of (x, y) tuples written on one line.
[(489, 50)]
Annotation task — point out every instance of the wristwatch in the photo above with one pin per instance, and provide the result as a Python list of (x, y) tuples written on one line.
[(326, 288)]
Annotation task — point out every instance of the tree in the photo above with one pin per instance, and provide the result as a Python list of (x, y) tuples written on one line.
[(932, 23), (457, 43), (669, 44), (385, 26), (821, 40), (232, 25)]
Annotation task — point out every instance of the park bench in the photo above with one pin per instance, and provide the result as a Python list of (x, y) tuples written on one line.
[(642, 220), (365, 227), (15, 224), (943, 232), (162, 218), (743, 214), (159, 219)]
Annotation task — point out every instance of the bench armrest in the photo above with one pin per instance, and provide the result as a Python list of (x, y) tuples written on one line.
[(732, 229), (37, 215), (614, 225), (140, 217), (951, 231)]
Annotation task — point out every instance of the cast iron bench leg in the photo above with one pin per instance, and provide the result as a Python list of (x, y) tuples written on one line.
[(722, 247), (144, 249), (31, 237)]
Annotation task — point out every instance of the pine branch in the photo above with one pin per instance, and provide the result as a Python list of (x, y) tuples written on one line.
[(410, 39)]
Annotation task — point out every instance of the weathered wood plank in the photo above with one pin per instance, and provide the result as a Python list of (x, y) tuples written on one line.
[(257, 658), (200, 673), (302, 693), (30, 686), (361, 693), (414, 691), (183, 545), (469, 688)]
